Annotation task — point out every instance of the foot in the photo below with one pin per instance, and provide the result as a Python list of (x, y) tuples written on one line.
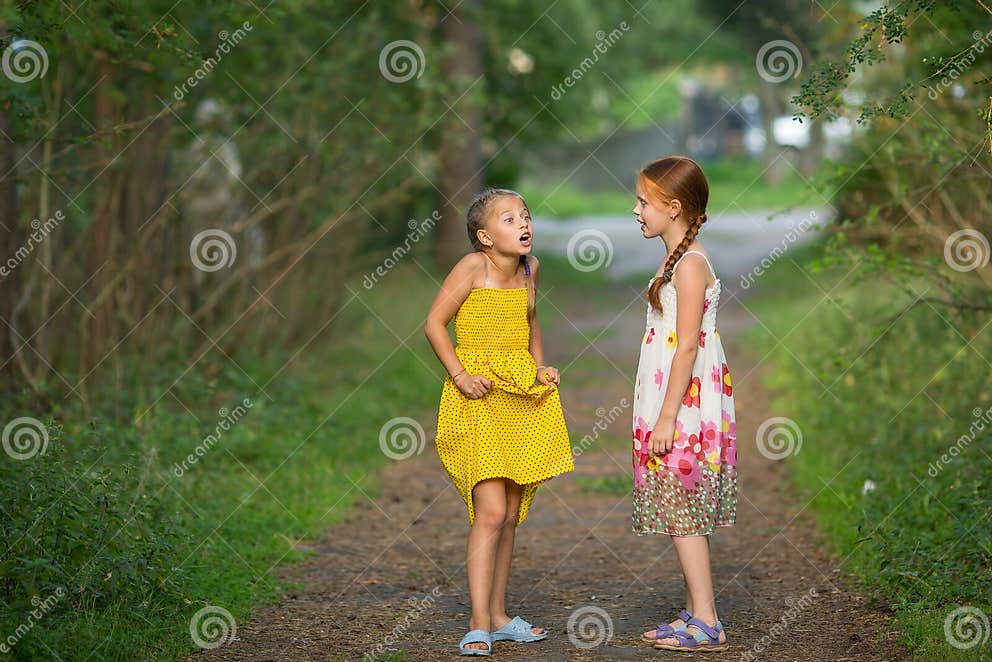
[(500, 622), (692, 630), (677, 624), (478, 645)]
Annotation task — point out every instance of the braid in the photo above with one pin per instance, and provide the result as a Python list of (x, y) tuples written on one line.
[(654, 292)]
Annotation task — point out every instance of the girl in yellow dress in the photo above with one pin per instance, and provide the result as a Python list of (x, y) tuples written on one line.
[(500, 429)]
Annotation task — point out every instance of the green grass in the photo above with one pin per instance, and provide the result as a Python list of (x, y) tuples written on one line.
[(904, 392), (618, 485), (735, 185), (139, 546)]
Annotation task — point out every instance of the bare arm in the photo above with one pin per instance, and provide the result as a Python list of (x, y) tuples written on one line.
[(690, 291), (548, 374), (454, 290)]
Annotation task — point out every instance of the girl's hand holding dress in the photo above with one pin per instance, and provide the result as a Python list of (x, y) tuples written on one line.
[(662, 436), (472, 386), (547, 374)]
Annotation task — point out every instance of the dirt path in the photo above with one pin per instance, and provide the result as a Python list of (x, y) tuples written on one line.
[(396, 567)]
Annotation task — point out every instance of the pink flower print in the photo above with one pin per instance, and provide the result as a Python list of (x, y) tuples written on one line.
[(659, 377), (728, 454), (640, 473), (728, 428), (702, 339), (706, 305), (717, 378), (686, 467), (709, 435), (649, 336)]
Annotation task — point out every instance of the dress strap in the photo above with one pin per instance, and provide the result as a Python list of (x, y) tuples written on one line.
[(699, 253)]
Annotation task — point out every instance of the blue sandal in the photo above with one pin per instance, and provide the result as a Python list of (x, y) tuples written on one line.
[(518, 630), (476, 637), (707, 639), (664, 630)]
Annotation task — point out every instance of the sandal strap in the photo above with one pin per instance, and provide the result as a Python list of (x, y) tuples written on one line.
[(712, 632), (685, 639), (685, 616), (663, 631)]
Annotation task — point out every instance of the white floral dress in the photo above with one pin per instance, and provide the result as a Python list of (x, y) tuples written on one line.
[(692, 488)]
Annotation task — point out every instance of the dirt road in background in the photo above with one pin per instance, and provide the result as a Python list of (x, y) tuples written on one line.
[(393, 574)]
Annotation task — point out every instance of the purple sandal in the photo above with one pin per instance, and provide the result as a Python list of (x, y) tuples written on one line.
[(707, 639), (664, 630)]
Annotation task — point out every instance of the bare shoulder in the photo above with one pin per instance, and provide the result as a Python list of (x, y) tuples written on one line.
[(470, 270), (693, 270)]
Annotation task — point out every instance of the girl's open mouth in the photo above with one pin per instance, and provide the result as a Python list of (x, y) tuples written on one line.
[(525, 239)]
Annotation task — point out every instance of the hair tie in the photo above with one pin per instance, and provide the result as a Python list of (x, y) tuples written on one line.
[(523, 258)]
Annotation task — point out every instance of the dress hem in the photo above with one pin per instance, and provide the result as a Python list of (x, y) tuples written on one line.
[(681, 535)]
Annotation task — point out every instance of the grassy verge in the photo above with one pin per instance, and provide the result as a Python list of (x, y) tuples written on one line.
[(735, 185), (894, 407), (136, 523)]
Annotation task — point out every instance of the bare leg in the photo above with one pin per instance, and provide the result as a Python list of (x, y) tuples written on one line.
[(504, 554), (489, 499), (694, 555)]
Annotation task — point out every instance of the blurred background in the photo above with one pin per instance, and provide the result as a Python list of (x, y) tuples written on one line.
[(235, 210)]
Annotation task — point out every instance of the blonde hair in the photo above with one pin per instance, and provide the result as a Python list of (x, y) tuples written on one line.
[(478, 213)]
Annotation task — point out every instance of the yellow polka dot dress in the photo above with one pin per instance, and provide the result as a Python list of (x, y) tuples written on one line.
[(517, 430)]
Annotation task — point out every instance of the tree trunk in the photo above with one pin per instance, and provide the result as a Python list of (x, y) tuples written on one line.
[(9, 240), (460, 174)]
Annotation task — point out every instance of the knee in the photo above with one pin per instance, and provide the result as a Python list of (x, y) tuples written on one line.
[(490, 516)]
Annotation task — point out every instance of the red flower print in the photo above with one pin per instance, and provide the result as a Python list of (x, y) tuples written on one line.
[(649, 337), (706, 305), (686, 468), (702, 339), (692, 393), (709, 435), (728, 387)]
